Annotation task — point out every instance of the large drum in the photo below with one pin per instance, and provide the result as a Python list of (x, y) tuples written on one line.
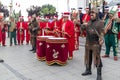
[(41, 47), (56, 51)]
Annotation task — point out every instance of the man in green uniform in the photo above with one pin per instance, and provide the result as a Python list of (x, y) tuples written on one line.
[(12, 31), (34, 28), (111, 35)]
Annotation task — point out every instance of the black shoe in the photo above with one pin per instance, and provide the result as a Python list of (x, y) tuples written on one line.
[(31, 50), (1, 61), (87, 72)]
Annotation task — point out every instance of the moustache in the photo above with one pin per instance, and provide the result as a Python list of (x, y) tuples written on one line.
[(91, 15)]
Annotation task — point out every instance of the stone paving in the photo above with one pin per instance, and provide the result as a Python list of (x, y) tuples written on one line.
[(21, 64)]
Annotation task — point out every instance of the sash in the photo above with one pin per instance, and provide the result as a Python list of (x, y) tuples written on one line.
[(108, 26), (55, 25), (85, 18)]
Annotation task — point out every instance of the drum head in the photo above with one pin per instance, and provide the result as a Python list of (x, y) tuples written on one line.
[(56, 38)]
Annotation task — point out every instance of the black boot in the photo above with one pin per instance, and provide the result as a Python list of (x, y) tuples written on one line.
[(87, 71), (1, 60), (99, 77), (32, 49)]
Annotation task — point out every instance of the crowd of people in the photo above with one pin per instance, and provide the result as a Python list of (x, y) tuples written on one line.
[(93, 24)]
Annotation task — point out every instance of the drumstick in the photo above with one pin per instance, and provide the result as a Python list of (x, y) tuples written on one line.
[(63, 32), (57, 33), (42, 32)]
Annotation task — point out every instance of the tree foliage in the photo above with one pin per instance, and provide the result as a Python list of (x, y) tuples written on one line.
[(45, 10), (48, 10), (34, 10), (4, 10)]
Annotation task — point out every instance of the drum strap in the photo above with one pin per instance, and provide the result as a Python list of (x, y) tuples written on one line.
[(47, 25), (55, 24), (85, 17), (20, 24), (63, 27)]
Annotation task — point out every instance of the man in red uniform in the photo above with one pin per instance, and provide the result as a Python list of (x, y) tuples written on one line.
[(1, 16), (41, 25), (118, 10), (77, 32), (4, 29), (55, 26), (118, 17), (61, 20), (47, 26), (1, 26), (0, 35), (20, 31), (67, 30), (27, 30), (86, 19)]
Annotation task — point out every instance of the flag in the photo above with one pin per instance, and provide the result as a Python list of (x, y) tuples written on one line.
[(19, 5), (20, 13), (68, 7)]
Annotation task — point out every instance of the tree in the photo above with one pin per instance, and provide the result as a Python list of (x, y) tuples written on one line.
[(4, 10), (45, 10), (34, 10), (48, 10)]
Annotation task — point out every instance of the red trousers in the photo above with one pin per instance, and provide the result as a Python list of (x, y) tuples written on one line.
[(3, 38)]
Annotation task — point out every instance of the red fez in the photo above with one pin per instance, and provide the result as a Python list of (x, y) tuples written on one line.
[(66, 14), (29, 17), (38, 17), (47, 17), (55, 16)]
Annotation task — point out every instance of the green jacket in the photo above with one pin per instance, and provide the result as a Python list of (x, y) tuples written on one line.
[(115, 26)]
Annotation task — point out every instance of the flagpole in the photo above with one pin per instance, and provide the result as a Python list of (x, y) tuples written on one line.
[(11, 7)]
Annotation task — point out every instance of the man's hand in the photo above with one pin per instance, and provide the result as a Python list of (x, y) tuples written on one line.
[(101, 41), (85, 23)]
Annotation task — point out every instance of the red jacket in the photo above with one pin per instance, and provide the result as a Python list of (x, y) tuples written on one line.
[(69, 29), (86, 17)]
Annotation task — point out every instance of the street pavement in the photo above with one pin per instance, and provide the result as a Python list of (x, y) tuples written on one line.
[(21, 64)]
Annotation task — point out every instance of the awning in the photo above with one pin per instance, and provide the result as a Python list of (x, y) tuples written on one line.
[(114, 2)]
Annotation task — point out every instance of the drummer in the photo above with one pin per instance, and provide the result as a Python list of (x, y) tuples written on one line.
[(55, 26), (67, 30), (47, 27)]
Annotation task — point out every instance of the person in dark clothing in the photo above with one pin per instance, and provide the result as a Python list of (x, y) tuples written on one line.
[(106, 13), (34, 28), (80, 14), (100, 13), (94, 40)]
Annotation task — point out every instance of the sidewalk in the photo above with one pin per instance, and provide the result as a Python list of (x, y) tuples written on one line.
[(21, 64)]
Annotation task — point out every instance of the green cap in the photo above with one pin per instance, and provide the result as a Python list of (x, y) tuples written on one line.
[(113, 10)]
